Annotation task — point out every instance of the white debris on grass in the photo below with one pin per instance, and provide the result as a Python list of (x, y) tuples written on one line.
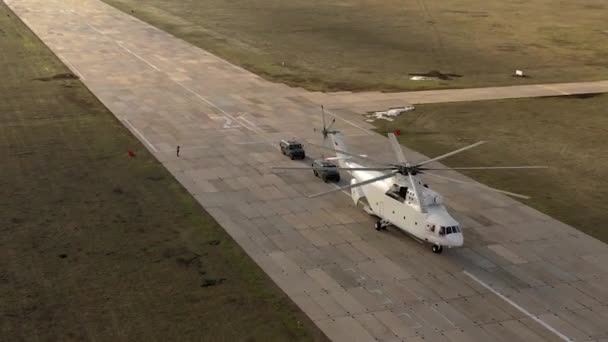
[(422, 78), (388, 115)]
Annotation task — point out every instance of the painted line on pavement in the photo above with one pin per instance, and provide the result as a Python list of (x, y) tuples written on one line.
[(91, 26), (119, 43), (243, 122), (136, 131), (518, 307), (554, 89), (251, 126), (136, 55)]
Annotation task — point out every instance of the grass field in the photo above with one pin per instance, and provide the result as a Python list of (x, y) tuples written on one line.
[(567, 133), (363, 44), (97, 245)]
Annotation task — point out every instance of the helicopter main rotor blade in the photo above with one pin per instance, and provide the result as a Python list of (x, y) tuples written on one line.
[(477, 185), (417, 192), (337, 167), (402, 160), (323, 115), (485, 168), (367, 159), (397, 148), (366, 168), (333, 121), (451, 153), (369, 181)]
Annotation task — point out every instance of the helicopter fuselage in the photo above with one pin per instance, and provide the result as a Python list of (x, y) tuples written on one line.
[(393, 201), (399, 208)]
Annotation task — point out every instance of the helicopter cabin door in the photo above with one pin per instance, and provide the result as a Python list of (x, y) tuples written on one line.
[(381, 209)]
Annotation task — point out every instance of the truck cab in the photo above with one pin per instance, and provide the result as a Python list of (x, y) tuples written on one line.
[(326, 170), (292, 149)]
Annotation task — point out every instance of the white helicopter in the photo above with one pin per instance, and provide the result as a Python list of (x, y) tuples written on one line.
[(398, 197)]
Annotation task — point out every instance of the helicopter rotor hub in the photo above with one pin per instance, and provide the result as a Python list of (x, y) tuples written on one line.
[(407, 169)]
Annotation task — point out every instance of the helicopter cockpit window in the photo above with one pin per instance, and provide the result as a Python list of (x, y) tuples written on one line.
[(449, 230), (397, 192), (402, 191)]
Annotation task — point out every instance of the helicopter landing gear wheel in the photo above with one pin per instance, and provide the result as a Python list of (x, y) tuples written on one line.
[(381, 225), (437, 249), (378, 225)]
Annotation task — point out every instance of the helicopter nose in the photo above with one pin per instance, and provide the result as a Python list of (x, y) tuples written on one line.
[(455, 240)]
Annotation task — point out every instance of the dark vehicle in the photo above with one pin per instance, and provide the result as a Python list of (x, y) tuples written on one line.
[(329, 171), (292, 149)]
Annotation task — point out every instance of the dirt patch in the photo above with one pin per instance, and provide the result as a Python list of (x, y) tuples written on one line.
[(584, 96), (207, 282), (155, 178), (575, 96), (188, 259), (58, 77), (437, 74)]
